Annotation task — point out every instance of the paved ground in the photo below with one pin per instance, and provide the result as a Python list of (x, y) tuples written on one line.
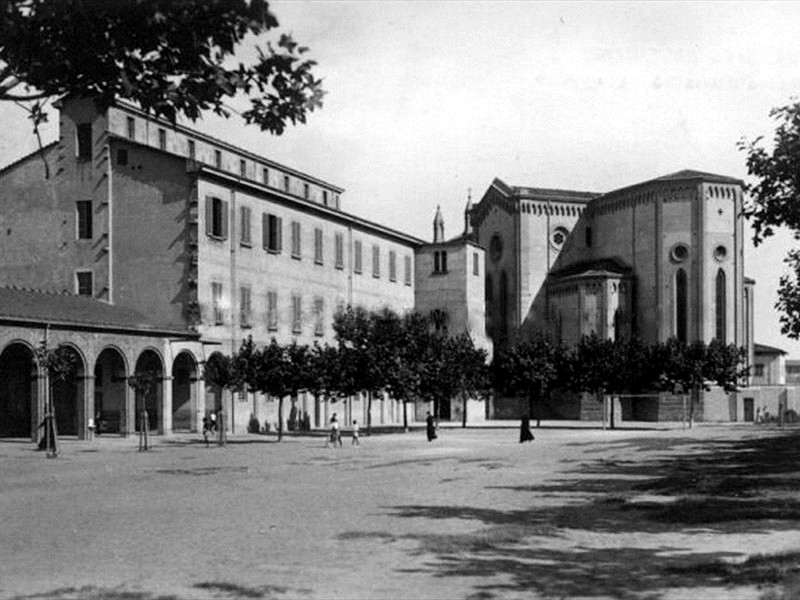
[(472, 515)]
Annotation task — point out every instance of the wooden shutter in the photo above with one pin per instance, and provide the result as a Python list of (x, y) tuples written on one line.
[(209, 215), (224, 232), (265, 230), (279, 233)]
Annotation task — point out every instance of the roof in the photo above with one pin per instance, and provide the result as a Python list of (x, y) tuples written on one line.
[(682, 175), (46, 307), (603, 266), (536, 193), (764, 349)]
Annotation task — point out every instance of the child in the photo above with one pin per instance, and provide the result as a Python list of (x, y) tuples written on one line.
[(356, 441)]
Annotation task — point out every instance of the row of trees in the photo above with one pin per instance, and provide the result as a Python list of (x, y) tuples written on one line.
[(601, 367), (411, 358), (376, 353)]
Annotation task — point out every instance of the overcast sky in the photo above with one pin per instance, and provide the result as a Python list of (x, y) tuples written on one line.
[(427, 100)]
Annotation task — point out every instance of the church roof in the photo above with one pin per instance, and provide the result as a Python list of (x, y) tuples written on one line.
[(602, 266), (535, 193), (54, 308), (691, 174)]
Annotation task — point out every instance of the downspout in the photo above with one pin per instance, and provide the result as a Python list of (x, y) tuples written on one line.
[(110, 232), (234, 304)]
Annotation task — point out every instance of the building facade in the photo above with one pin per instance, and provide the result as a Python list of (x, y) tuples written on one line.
[(201, 237)]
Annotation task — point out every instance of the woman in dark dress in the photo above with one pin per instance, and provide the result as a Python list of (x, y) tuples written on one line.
[(430, 427)]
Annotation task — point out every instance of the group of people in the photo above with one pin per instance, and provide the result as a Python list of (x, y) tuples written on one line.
[(336, 433), (296, 422)]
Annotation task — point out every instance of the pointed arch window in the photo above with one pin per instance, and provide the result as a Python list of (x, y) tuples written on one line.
[(721, 306), (681, 306)]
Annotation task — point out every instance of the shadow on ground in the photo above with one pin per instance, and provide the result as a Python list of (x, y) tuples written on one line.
[(697, 488)]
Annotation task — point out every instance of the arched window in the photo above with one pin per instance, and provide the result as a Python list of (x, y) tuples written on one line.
[(722, 306), (681, 306)]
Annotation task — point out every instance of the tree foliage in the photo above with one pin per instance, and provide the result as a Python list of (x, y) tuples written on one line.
[(774, 201), (172, 58)]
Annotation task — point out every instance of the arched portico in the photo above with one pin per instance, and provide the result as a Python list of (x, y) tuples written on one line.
[(18, 391), (150, 365), (184, 394), (110, 391), (69, 396)]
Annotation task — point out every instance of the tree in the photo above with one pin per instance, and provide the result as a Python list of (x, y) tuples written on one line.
[(598, 367), (282, 371), (470, 370), (226, 372), (774, 201), (59, 364), (171, 58), (531, 369), (144, 384)]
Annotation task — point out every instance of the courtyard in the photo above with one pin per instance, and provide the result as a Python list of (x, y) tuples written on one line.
[(708, 512)]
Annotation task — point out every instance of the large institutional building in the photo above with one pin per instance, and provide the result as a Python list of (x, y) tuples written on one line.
[(153, 246)]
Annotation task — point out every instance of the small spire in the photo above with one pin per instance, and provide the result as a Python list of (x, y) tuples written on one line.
[(438, 226), (467, 214)]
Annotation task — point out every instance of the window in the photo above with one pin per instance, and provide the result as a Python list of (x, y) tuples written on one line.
[(84, 218), (131, 128), (218, 159), (162, 139), (216, 303), (440, 262), (376, 261), (306, 191), (357, 265), (759, 370), (272, 233), (476, 264), (245, 308), (122, 157), (297, 248), (286, 182), (339, 250), (84, 138), (245, 215), (265, 175), (85, 283), (242, 168), (319, 316), (392, 265), (272, 311), (721, 308), (192, 149), (297, 314), (588, 237), (336, 201), (216, 218), (408, 270), (318, 246), (325, 197), (681, 306)]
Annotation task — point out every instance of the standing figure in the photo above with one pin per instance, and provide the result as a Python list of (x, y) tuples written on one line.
[(336, 434), (525, 434), (356, 441), (430, 427)]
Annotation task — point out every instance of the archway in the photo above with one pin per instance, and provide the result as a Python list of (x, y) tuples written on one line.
[(110, 392), (68, 396), (213, 391), (18, 376), (184, 376), (150, 366)]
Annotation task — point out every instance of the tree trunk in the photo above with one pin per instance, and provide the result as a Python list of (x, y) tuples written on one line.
[(464, 415), (691, 406), (280, 418), (539, 395), (405, 416), (369, 413)]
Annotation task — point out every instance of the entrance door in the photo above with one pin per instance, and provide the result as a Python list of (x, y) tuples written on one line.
[(749, 410)]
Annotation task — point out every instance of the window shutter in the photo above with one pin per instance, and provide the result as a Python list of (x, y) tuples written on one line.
[(224, 228), (209, 215), (265, 230), (279, 227)]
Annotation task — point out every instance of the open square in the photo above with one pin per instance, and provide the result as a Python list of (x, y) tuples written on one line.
[(580, 512)]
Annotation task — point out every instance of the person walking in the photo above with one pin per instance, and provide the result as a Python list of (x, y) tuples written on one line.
[(525, 434), (430, 427), (356, 441), (336, 434)]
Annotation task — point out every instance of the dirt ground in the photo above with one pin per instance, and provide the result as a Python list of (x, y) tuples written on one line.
[(578, 513)]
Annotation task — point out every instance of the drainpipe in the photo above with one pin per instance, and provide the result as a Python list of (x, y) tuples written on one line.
[(110, 233)]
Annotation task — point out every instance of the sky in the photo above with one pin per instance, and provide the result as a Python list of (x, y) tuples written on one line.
[(426, 101)]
